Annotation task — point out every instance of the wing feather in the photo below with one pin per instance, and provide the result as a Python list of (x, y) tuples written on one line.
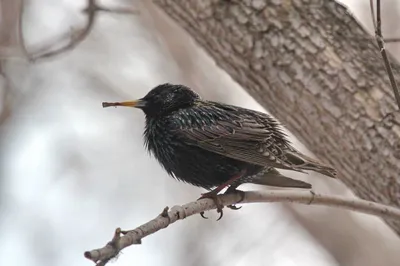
[(254, 138)]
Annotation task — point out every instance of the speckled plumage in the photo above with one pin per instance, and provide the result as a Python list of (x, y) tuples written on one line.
[(207, 143)]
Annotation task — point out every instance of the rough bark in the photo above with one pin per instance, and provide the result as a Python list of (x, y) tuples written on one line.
[(318, 71)]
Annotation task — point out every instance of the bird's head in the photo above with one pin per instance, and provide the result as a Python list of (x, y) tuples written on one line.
[(163, 99)]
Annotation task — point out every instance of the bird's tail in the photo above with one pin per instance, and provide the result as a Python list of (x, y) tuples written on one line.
[(304, 162), (275, 179)]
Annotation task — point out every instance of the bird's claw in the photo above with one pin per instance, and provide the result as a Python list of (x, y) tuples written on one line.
[(212, 195), (221, 213), (234, 207), (234, 190), (202, 215)]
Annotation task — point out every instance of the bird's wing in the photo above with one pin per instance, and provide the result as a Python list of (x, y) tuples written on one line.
[(245, 139)]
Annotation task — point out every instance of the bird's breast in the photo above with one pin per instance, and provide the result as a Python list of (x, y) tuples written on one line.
[(161, 142)]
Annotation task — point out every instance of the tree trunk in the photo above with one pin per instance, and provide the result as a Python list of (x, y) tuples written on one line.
[(318, 71)]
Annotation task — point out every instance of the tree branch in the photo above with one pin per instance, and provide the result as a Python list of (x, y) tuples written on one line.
[(102, 255), (381, 44), (390, 40), (77, 36)]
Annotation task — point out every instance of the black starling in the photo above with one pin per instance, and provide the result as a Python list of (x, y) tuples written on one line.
[(215, 145)]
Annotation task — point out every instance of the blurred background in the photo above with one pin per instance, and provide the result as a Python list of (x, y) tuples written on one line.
[(71, 171)]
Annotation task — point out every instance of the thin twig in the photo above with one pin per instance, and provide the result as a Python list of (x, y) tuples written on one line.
[(118, 10), (388, 40), (102, 255), (381, 44), (5, 111), (371, 5), (77, 36)]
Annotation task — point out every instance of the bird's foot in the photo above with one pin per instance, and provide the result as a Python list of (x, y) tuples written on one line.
[(234, 190), (214, 196)]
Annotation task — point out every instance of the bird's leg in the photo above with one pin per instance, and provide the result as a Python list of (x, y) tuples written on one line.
[(214, 193), (233, 189)]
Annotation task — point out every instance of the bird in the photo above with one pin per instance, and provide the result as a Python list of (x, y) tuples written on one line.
[(214, 145)]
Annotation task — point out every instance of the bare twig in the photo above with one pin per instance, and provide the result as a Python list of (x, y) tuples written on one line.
[(77, 36), (5, 111), (20, 32), (118, 10), (388, 40), (381, 44), (102, 255), (371, 5)]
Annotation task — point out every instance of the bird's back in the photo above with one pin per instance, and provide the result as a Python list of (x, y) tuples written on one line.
[(182, 158)]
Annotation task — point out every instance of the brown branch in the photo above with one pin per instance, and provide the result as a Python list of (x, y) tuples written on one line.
[(389, 40), (381, 44), (20, 31), (371, 5), (11, 41), (102, 255), (5, 111), (77, 36), (118, 10), (10, 38)]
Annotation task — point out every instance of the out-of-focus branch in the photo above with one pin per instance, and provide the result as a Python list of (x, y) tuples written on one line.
[(11, 45), (11, 41), (70, 40), (389, 40), (371, 4), (103, 255), (381, 44), (5, 105)]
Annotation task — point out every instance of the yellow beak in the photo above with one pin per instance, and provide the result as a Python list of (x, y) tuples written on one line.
[(137, 103)]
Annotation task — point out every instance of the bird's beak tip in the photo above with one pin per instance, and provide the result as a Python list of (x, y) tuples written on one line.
[(136, 103), (105, 104)]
